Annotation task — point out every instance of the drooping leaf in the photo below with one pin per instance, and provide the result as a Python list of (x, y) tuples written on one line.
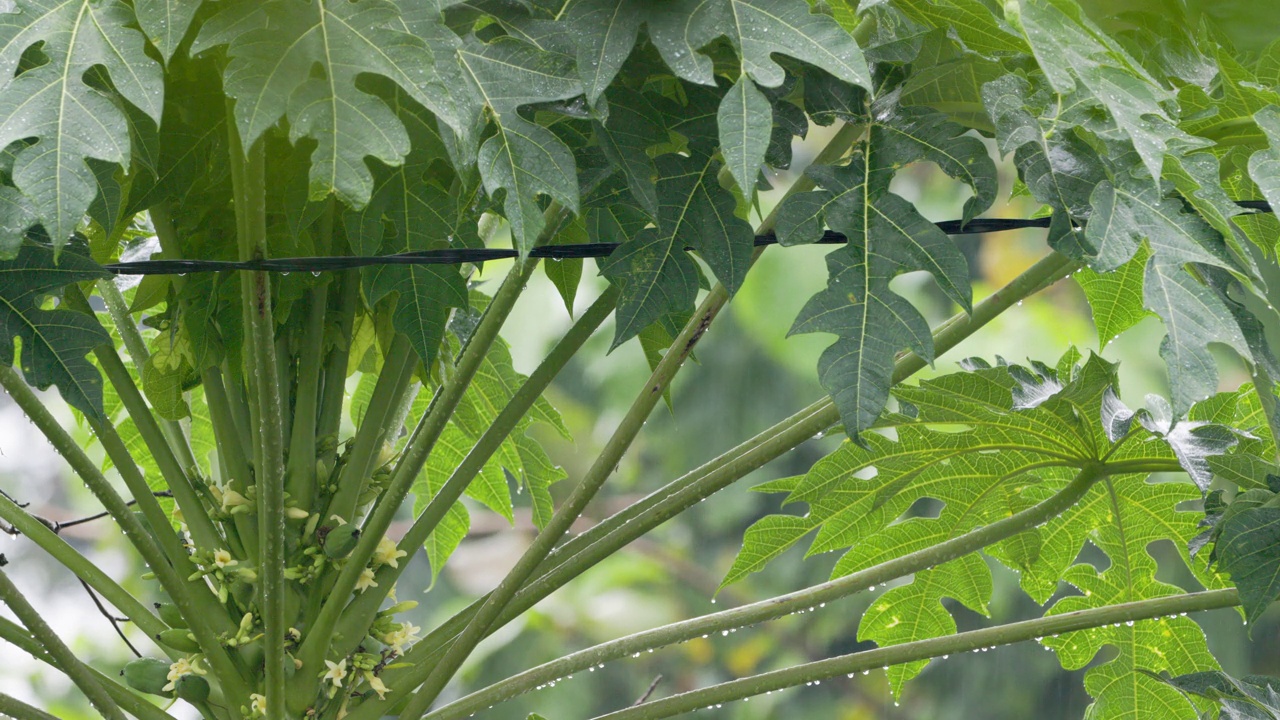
[(656, 275), (54, 342), (1252, 697), (887, 236), (1059, 168), (273, 48), (165, 22), (607, 30), (634, 125), (756, 29), (746, 123), (1264, 165), (1073, 52), (71, 120), (1193, 317), (522, 158), (421, 216)]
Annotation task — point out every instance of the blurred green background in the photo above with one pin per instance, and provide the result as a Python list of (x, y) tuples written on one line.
[(748, 375)]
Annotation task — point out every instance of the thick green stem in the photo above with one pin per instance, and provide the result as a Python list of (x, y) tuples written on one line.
[(79, 565), (924, 649), (235, 465), (364, 451), (319, 636), (192, 599), (203, 532), (335, 366), (782, 605), (15, 708), (262, 373), (568, 512), (301, 470), (362, 610), (129, 701), (67, 661)]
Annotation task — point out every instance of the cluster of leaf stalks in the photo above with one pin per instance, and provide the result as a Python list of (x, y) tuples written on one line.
[(336, 128)]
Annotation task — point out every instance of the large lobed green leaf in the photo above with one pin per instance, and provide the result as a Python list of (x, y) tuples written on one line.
[(988, 443), (887, 236), (71, 120), (54, 341)]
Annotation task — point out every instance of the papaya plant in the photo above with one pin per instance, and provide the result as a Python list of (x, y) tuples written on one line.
[(311, 188)]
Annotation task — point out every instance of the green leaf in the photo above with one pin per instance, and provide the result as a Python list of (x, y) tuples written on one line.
[(71, 120), (634, 125), (873, 323), (1248, 548), (1115, 298), (887, 236), (606, 30), (656, 275), (54, 342), (756, 29), (274, 47), (1264, 165), (1194, 317), (1253, 697), (522, 158), (421, 216), (972, 21), (1123, 516), (746, 123), (1059, 168), (165, 22), (1073, 52), (1124, 215)]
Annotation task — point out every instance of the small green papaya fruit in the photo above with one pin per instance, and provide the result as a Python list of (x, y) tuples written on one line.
[(148, 675), (192, 688), (340, 541), (179, 640)]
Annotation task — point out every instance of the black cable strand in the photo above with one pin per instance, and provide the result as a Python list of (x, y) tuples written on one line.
[(457, 256)]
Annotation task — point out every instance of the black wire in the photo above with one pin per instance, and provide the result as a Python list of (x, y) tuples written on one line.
[(456, 256)]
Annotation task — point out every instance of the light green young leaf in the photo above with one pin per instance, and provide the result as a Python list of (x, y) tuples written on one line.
[(52, 103), (746, 123), (1123, 516), (54, 342), (1115, 298)]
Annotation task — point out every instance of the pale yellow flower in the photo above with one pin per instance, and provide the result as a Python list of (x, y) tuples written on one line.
[(223, 559), (387, 553), (376, 683), (337, 671), (231, 499), (183, 666), (366, 580), (397, 639), (257, 704)]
